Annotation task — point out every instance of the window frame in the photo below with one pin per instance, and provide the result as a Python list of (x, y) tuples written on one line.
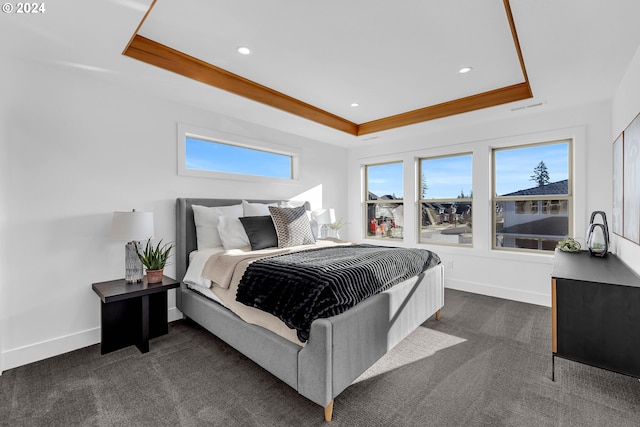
[(368, 201), (187, 131), (421, 200), (569, 197)]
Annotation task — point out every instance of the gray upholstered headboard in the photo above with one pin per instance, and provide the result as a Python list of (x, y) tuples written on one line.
[(186, 227)]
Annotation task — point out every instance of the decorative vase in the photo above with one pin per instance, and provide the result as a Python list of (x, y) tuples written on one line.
[(154, 276), (597, 240), (598, 235)]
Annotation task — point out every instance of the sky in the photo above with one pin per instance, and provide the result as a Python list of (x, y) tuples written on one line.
[(447, 177), (514, 167), (385, 179), (213, 156)]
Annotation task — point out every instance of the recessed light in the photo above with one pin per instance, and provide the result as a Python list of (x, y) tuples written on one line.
[(243, 50), (465, 70), (355, 104)]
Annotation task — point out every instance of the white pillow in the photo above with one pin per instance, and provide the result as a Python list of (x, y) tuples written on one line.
[(256, 209), (206, 219), (232, 233), (291, 203)]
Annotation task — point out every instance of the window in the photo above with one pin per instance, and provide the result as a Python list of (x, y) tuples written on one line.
[(446, 200), (532, 196), (203, 153), (384, 203)]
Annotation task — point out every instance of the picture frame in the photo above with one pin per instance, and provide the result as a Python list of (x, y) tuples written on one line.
[(631, 181), (618, 189)]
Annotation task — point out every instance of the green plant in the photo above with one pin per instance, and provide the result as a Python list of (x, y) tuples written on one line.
[(569, 244), (155, 258), (336, 225)]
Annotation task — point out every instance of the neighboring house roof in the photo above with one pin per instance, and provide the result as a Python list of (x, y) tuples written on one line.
[(550, 226), (461, 207), (560, 187), (388, 197), (373, 196)]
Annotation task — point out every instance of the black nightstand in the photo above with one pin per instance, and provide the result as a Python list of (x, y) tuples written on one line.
[(132, 313)]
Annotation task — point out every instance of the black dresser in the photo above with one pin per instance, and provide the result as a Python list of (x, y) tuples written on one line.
[(595, 312)]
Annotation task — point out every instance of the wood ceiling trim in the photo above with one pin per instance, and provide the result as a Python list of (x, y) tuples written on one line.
[(135, 33), (492, 98), (154, 53), (514, 35)]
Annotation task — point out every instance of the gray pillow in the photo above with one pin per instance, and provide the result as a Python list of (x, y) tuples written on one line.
[(261, 232), (292, 226)]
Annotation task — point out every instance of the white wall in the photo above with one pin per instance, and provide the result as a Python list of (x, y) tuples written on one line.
[(625, 107), (4, 164), (518, 276), (74, 148)]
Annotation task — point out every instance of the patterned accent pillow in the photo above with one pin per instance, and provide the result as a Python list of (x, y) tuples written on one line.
[(292, 226)]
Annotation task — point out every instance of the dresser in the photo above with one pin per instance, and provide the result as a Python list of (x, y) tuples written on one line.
[(595, 312)]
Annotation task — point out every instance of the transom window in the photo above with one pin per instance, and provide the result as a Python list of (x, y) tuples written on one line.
[(384, 201), (203, 153), (222, 157), (446, 200), (532, 196)]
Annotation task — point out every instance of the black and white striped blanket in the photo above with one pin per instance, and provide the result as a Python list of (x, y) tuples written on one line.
[(303, 286)]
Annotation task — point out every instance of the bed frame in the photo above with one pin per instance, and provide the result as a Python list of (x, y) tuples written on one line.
[(339, 349)]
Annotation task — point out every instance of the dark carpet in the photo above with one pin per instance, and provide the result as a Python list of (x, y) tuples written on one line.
[(487, 362)]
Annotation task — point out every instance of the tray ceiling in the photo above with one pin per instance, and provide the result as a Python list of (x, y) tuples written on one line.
[(398, 61)]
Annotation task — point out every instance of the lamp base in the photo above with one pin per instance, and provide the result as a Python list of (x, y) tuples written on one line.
[(133, 271)]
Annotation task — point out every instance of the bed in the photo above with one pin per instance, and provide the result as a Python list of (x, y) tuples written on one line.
[(339, 348)]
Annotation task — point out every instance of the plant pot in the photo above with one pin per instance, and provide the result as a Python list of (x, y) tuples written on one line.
[(154, 276)]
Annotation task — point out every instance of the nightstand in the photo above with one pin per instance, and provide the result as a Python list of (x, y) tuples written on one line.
[(132, 313)]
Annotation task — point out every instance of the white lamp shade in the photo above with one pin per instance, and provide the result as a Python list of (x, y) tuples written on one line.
[(132, 226), (324, 216)]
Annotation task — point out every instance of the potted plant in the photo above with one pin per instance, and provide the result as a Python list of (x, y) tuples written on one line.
[(568, 244), (154, 258)]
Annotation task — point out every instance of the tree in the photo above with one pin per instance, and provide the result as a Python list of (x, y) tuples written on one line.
[(540, 174), (465, 196)]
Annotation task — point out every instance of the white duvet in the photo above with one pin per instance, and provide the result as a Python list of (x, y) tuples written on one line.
[(194, 280)]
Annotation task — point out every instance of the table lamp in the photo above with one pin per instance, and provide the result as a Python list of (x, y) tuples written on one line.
[(132, 227)]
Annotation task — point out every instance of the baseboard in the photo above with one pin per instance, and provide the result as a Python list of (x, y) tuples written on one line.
[(43, 350), (500, 292), (174, 314)]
